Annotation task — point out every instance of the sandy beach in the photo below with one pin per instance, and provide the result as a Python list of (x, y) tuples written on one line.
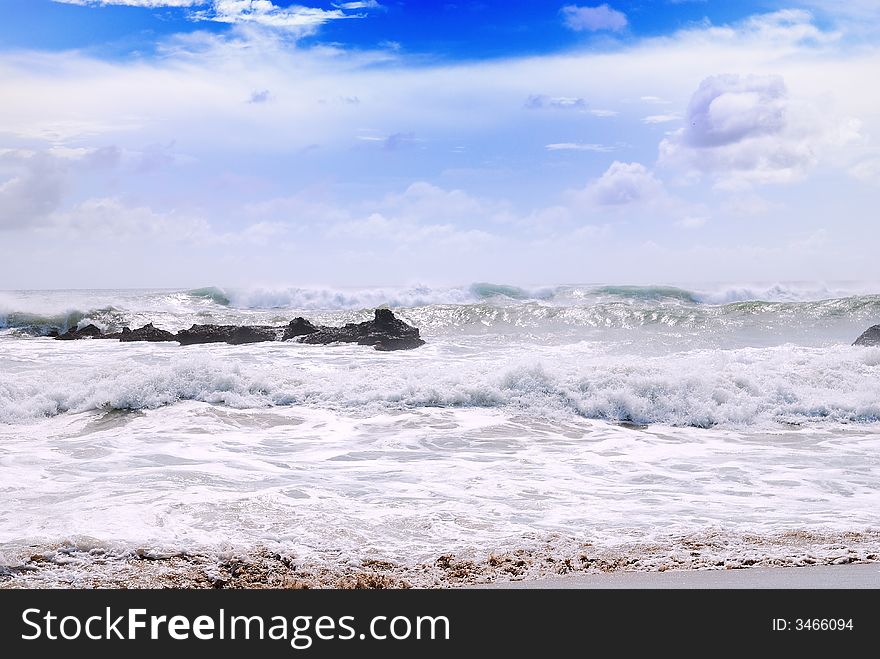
[(861, 576)]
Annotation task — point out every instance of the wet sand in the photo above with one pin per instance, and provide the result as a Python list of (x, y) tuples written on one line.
[(864, 575)]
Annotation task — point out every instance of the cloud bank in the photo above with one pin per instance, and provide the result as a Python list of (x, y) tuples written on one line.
[(711, 150)]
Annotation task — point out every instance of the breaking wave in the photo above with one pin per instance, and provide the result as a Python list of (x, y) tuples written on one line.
[(703, 388), (210, 293), (38, 324), (480, 292), (365, 298)]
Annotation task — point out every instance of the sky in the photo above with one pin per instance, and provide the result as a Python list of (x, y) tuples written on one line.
[(178, 143)]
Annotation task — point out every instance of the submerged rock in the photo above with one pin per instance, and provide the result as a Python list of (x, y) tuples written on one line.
[(870, 337), (145, 333), (384, 332), (88, 332)]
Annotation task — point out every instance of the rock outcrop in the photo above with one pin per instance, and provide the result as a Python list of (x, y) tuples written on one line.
[(205, 334), (254, 334), (870, 337), (233, 334), (299, 326), (145, 333), (384, 332), (88, 332)]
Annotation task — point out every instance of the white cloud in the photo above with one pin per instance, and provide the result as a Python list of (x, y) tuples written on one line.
[(789, 24), (579, 146), (603, 113), (602, 17), (34, 189), (260, 96), (359, 4), (423, 213), (692, 222), (111, 218), (857, 11), (61, 131), (539, 101), (399, 140), (624, 183), (403, 232), (392, 142), (196, 93), (660, 118), (867, 171), (423, 201), (746, 130), (298, 19), (729, 108), (748, 204), (135, 3)]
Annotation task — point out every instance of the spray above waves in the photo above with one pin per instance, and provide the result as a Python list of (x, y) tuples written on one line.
[(38, 324), (484, 291), (645, 293), (329, 299), (480, 307), (211, 294)]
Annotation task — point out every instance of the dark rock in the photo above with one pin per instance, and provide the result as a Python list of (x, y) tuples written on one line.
[(234, 334), (870, 337), (90, 331), (384, 332), (386, 345), (325, 335), (205, 334), (146, 333), (87, 332), (53, 333), (253, 334), (298, 327)]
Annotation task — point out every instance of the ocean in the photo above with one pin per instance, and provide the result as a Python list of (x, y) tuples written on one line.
[(540, 431)]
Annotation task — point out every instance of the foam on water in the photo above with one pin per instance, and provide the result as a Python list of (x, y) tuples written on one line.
[(628, 423), (559, 314), (407, 487), (700, 388)]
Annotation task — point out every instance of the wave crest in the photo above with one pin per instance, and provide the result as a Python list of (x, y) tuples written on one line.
[(743, 387), (210, 293), (40, 324)]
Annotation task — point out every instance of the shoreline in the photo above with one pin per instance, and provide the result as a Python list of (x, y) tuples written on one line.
[(265, 569), (850, 576)]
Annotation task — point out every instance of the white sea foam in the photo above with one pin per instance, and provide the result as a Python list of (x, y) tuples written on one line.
[(699, 388), (418, 296), (330, 488), (743, 419), (784, 292)]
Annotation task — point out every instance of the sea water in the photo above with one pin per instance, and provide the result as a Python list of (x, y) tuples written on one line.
[(618, 426)]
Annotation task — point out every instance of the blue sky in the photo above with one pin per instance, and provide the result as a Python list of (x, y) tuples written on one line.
[(250, 142), (436, 30)]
